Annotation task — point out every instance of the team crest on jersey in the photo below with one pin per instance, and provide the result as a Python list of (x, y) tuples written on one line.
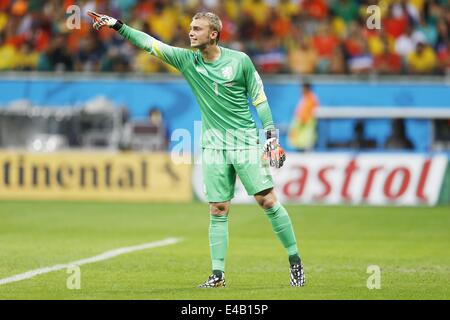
[(202, 70), (227, 72)]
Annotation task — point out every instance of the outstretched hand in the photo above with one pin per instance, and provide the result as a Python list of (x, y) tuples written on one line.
[(101, 20)]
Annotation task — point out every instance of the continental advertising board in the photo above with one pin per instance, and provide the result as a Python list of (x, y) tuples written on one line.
[(94, 176), (372, 179)]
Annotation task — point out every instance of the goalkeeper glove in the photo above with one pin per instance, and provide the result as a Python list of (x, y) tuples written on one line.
[(101, 20), (273, 151)]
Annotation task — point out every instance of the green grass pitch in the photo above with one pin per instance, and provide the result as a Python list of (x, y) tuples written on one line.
[(410, 245)]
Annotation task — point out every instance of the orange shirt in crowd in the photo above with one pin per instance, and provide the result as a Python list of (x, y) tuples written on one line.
[(395, 27), (325, 44), (316, 8), (307, 107)]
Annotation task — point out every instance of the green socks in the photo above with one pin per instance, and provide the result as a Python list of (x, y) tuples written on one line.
[(218, 241), (282, 226)]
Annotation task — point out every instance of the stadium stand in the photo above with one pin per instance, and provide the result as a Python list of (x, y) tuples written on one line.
[(282, 36)]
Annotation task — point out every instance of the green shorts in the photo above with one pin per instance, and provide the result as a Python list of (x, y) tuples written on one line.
[(221, 166)]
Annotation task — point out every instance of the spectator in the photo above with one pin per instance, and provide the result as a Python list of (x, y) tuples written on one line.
[(316, 9), (271, 59), (423, 60), (302, 58), (7, 57), (258, 10), (337, 61), (324, 43), (281, 26), (266, 29), (379, 42), (57, 58), (347, 10), (289, 9), (90, 54), (359, 59), (388, 62), (394, 24), (427, 31), (27, 58), (163, 20), (405, 44)]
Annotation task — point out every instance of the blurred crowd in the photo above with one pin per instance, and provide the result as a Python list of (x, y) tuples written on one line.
[(281, 36)]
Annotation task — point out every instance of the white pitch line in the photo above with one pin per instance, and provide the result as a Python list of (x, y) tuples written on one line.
[(103, 256)]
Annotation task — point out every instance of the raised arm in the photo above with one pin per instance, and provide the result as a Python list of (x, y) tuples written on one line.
[(174, 56)]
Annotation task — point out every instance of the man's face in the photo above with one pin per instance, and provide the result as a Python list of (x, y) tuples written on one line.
[(200, 34)]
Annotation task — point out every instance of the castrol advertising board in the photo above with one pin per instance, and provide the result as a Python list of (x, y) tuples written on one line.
[(366, 179)]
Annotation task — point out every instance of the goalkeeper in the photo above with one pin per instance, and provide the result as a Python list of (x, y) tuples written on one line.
[(222, 80)]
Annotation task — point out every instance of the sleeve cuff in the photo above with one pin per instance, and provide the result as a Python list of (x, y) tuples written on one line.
[(117, 25), (271, 134)]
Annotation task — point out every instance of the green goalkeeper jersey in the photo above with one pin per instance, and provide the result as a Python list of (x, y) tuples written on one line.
[(222, 89)]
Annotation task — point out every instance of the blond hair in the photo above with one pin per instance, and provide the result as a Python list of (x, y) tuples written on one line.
[(215, 23)]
